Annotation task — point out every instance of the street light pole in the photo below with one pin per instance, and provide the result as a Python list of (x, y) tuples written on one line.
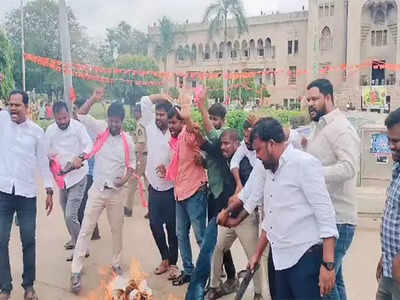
[(65, 52), (23, 45)]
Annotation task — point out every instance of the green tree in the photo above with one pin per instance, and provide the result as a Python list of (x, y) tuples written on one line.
[(166, 40), (6, 65), (123, 39), (216, 15), (42, 38), (132, 93), (214, 86)]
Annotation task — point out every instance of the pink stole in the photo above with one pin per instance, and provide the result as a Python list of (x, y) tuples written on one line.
[(55, 166)]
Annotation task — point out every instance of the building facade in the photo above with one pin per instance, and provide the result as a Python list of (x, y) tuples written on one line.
[(354, 43)]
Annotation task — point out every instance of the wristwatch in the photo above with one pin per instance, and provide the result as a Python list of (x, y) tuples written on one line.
[(330, 266)]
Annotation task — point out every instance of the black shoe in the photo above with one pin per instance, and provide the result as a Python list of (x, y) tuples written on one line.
[(71, 257), (75, 283), (181, 280), (127, 212), (69, 245)]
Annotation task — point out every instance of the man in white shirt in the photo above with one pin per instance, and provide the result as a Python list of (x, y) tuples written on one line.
[(335, 142), (115, 164), (162, 204), (294, 190), (245, 150), (66, 140), (23, 151)]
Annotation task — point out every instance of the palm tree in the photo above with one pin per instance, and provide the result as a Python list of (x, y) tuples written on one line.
[(166, 44), (216, 15)]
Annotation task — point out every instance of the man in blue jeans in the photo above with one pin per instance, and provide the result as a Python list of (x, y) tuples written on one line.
[(22, 153), (190, 183), (335, 142)]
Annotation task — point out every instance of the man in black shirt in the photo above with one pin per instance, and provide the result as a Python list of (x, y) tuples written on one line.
[(247, 232)]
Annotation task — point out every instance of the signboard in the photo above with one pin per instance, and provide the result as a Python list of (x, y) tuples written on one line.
[(374, 97), (380, 144)]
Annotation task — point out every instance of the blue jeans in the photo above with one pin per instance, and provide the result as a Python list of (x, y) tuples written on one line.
[(190, 212), (300, 282), (26, 213), (346, 234)]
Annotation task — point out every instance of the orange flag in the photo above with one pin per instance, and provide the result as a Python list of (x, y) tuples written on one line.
[(72, 95)]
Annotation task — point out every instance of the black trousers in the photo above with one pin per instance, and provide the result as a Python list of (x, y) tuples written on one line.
[(26, 213), (300, 282), (162, 212), (214, 207), (81, 212)]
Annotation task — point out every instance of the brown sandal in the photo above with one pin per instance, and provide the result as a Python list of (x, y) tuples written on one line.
[(161, 269)]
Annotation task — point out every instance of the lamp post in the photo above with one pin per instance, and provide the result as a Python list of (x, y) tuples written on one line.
[(23, 46), (65, 51)]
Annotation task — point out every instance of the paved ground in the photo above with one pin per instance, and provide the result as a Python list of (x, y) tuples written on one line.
[(53, 271)]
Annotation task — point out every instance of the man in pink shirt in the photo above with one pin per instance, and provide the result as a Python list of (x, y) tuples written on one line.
[(190, 184)]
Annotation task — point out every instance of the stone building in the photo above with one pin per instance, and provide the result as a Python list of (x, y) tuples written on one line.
[(354, 43)]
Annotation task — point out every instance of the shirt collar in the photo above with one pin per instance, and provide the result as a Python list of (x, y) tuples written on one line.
[(24, 124), (286, 154), (285, 157), (329, 117), (396, 170)]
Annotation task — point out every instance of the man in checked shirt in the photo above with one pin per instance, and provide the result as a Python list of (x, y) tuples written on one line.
[(388, 270)]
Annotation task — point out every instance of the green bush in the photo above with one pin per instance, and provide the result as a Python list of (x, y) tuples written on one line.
[(44, 123), (236, 118), (129, 125)]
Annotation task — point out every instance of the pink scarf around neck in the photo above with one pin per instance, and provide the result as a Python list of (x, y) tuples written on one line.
[(55, 166)]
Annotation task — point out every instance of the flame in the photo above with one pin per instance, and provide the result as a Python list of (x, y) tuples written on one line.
[(114, 287)]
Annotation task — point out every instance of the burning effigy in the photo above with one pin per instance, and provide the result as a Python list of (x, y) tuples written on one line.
[(132, 286)]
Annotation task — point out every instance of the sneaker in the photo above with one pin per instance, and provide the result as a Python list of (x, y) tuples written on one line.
[(71, 257), (4, 296), (30, 294), (127, 212), (75, 283), (118, 270), (69, 245)]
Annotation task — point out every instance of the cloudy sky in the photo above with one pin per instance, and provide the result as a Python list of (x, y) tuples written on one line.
[(97, 15)]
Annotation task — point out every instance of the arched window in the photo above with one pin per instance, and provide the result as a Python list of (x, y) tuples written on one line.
[(194, 52), (245, 49), (252, 47), (268, 47), (236, 49), (215, 50), (201, 52), (379, 17), (229, 49), (260, 48), (325, 42), (207, 52), (221, 50), (187, 52), (180, 55)]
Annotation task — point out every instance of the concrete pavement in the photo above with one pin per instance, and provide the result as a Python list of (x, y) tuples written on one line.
[(53, 271)]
